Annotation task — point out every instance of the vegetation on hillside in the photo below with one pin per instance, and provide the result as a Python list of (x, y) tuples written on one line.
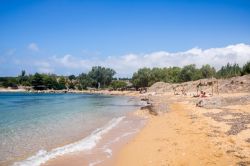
[(146, 77), (101, 77)]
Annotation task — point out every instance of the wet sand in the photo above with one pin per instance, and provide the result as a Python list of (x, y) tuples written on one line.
[(107, 149)]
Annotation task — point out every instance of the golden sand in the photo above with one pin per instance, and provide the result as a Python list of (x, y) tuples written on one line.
[(184, 136)]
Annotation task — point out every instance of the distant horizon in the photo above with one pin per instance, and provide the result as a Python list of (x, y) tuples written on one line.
[(69, 37)]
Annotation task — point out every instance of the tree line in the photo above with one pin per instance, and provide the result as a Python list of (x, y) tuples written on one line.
[(101, 77), (97, 77), (145, 77)]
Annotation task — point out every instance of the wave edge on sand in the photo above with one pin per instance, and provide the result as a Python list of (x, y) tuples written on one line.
[(87, 143)]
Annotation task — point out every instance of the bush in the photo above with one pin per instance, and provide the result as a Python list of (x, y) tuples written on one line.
[(118, 84)]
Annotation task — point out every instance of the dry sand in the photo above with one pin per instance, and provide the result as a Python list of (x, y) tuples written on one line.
[(189, 135), (11, 90)]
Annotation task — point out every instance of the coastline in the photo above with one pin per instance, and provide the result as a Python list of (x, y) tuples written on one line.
[(181, 129), (106, 150), (182, 134), (106, 143), (103, 92), (92, 137)]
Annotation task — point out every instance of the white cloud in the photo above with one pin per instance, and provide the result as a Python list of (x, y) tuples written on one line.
[(70, 62), (33, 47), (44, 67), (125, 65)]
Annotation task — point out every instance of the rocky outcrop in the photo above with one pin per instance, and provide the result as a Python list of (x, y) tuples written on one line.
[(210, 86)]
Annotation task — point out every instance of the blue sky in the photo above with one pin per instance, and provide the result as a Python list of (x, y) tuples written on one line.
[(67, 37)]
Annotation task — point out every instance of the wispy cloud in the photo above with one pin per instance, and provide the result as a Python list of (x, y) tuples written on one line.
[(33, 47), (6, 55), (11, 51), (125, 65), (44, 67), (70, 62)]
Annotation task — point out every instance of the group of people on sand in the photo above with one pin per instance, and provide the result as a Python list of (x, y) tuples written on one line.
[(201, 94)]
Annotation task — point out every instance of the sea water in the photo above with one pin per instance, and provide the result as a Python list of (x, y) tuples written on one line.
[(35, 128)]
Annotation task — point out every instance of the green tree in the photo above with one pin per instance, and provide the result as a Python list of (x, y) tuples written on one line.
[(84, 81), (207, 71), (8, 82), (23, 79), (61, 83), (230, 70), (37, 81), (172, 74), (118, 84), (101, 76), (71, 84), (142, 78), (50, 82), (190, 73), (72, 77), (156, 75), (246, 68)]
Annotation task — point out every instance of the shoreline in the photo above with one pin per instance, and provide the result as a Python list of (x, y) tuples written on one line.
[(106, 151), (103, 92), (52, 150), (181, 133), (109, 142), (182, 128)]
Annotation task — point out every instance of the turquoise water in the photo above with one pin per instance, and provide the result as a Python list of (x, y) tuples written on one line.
[(31, 122)]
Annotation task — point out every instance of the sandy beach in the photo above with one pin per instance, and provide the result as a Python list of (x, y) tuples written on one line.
[(181, 134), (180, 128), (185, 130), (187, 135), (125, 83)]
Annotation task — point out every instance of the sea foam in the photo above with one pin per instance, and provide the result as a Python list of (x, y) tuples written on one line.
[(87, 143)]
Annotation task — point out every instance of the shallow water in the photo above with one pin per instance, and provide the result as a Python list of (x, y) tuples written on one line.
[(43, 125)]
